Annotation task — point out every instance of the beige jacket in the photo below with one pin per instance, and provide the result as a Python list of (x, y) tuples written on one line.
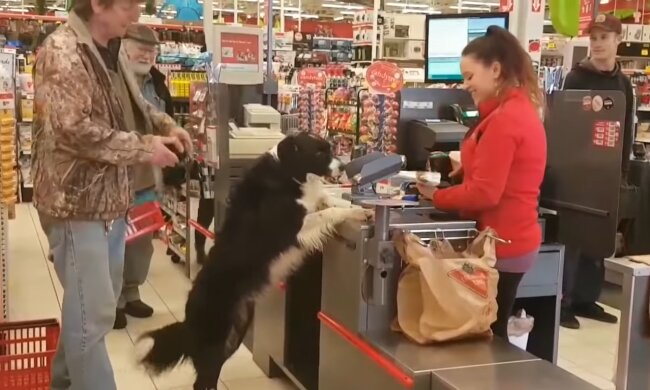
[(83, 151)]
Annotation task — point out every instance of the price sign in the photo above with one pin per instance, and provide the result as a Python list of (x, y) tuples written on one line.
[(384, 77), (506, 5), (313, 77)]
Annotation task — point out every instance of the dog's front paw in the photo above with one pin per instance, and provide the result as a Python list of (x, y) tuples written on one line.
[(362, 215)]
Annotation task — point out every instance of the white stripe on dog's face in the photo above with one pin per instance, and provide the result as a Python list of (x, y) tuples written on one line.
[(335, 167), (274, 152)]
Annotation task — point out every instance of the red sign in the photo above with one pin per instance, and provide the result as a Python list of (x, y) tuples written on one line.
[(534, 46), (506, 5), (384, 77), (606, 134), (240, 51), (314, 77), (586, 16), (536, 5), (474, 279)]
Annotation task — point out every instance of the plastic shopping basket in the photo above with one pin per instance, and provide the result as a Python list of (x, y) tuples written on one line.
[(143, 219), (26, 352)]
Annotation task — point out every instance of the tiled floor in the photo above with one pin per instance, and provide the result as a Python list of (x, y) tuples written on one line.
[(35, 293)]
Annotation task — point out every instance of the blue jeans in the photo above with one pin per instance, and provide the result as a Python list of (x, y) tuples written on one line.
[(88, 259)]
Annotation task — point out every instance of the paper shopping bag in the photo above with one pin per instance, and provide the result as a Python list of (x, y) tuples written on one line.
[(443, 294)]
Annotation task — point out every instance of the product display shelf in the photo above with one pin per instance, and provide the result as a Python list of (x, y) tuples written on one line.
[(4, 254), (8, 121)]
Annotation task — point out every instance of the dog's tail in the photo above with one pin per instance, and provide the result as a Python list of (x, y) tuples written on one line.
[(168, 349)]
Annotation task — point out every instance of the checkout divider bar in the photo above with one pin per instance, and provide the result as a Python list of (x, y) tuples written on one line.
[(388, 366)]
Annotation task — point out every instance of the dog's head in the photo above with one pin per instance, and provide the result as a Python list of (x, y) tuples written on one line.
[(303, 155)]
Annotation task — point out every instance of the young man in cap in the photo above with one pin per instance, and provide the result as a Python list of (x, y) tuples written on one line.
[(86, 111), (140, 47), (584, 275)]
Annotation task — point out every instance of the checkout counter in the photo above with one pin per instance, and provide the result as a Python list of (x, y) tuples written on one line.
[(328, 327)]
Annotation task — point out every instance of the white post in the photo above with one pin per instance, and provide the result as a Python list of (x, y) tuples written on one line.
[(375, 30), (235, 19), (207, 24), (258, 11), (281, 15), (299, 15), (460, 7)]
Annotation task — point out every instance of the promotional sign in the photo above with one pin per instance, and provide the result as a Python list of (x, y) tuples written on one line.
[(536, 6), (314, 77), (240, 51), (384, 77), (586, 16), (606, 134), (506, 5)]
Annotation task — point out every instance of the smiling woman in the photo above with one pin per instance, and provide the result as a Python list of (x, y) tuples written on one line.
[(503, 158)]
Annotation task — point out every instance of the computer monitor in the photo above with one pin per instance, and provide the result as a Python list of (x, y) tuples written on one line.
[(446, 37)]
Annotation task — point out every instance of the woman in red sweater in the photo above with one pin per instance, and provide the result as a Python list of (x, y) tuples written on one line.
[(503, 158)]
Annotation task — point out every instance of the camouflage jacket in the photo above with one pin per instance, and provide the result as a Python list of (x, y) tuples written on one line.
[(82, 152)]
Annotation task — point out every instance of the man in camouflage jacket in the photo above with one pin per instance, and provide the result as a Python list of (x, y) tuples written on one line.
[(86, 107)]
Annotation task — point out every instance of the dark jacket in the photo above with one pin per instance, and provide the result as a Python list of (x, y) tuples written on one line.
[(585, 76), (161, 90)]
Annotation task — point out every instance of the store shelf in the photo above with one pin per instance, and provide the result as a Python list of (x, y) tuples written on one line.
[(176, 250)]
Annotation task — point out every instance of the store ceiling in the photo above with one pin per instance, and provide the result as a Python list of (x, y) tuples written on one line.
[(334, 9)]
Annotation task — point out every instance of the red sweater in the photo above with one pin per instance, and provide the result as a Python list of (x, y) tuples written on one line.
[(503, 172)]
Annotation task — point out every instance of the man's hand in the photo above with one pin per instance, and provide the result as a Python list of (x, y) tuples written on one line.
[(162, 155), (184, 137)]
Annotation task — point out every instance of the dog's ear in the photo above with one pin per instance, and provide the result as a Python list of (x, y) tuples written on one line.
[(286, 147)]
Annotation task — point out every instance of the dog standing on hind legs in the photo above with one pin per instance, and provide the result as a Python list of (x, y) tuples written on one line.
[(278, 214)]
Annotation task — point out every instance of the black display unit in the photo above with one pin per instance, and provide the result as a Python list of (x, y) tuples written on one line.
[(447, 35)]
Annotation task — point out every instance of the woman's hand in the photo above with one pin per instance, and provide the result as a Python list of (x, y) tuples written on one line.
[(426, 191)]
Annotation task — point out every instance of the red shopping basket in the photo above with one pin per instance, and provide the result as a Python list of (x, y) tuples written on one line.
[(143, 219), (26, 352)]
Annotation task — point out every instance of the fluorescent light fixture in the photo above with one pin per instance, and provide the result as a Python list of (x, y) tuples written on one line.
[(421, 11), (404, 5), (343, 6), (347, 12), (483, 3), (470, 8), (338, 18), (604, 1), (547, 22)]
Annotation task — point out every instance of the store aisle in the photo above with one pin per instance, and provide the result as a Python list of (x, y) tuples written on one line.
[(35, 293)]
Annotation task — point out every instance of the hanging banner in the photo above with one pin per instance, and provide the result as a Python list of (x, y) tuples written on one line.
[(506, 5), (586, 16), (536, 6), (384, 77)]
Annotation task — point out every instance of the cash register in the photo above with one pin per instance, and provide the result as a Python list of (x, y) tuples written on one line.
[(260, 132), (432, 135)]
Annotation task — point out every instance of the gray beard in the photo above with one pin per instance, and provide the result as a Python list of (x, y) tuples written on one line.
[(140, 69)]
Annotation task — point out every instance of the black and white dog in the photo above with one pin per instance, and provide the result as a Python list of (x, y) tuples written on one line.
[(277, 215)]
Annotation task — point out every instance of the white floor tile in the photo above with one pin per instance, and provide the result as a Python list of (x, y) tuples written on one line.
[(262, 383)]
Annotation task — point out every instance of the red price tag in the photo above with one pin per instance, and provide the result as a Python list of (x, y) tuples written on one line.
[(384, 77), (314, 77)]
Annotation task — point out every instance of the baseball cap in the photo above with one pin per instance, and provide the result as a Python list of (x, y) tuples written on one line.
[(142, 33), (606, 22)]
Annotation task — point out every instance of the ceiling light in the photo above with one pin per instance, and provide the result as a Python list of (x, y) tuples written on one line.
[(336, 19), (347, 12), (343, 6), (421, 11), (604, 1), (407, 5), (483, 3), (470, 8)]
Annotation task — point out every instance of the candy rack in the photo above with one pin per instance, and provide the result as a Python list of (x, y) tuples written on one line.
[(378, 116)]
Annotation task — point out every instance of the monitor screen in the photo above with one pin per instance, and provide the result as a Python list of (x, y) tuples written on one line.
[(447, 36)]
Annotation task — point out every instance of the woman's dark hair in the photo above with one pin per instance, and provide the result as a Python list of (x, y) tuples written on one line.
[(499, 45)]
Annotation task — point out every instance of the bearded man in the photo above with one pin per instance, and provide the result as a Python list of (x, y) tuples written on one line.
[(140, 47)]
